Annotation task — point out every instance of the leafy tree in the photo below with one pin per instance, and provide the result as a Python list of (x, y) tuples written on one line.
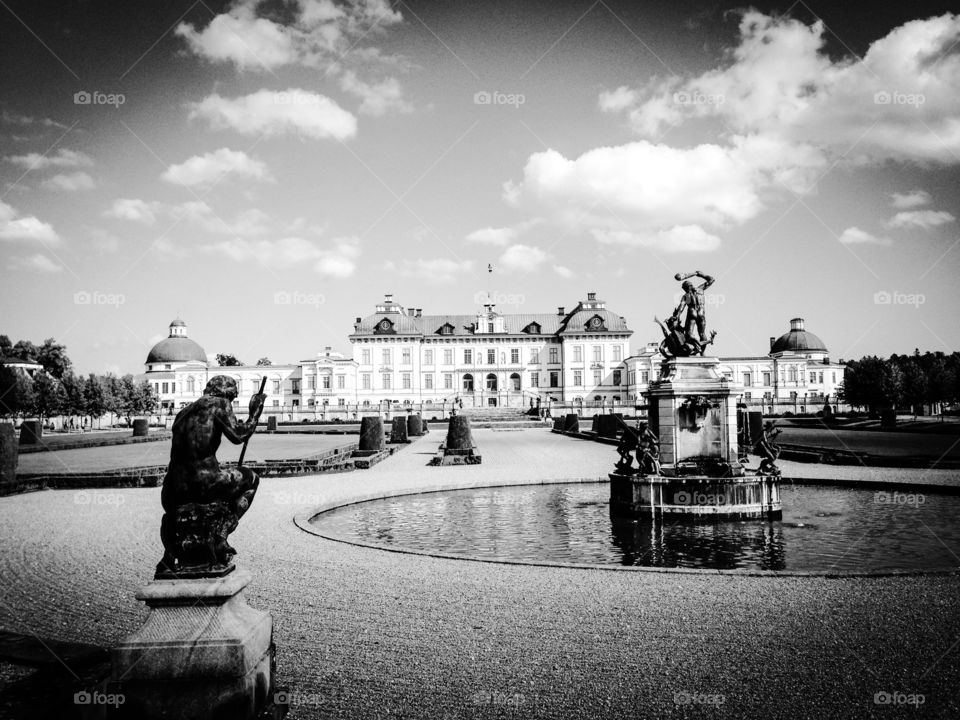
[(915, 386), (25, 350), (48, 396), (94, 397), (264, 361), (135, 398), (873, 383), (73, 390), (53, 357), (227, 360), (6, 347), (16, 392)]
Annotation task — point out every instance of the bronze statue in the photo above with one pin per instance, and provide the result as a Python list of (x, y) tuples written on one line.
[(648, 454), (769, 450), (629, 441), (203, 503), (696, 315)]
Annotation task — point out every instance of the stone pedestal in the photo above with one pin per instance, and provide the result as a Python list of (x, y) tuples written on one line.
[(140, 427), (458, 448), (272, 424), (398, 432), (571, 423), (414, 426), (372, 439), (30, 432), (8, 457), (202, 653)]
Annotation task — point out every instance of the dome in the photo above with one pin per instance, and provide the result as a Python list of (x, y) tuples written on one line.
[(797, 340), (177, 348)]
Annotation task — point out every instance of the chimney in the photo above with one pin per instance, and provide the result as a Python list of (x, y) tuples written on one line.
[(389, 299), (411, 311), (359, 320), (560, 310), (419, 312), (591, 296)]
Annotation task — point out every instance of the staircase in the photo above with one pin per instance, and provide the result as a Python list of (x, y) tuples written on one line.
[(500, 418)]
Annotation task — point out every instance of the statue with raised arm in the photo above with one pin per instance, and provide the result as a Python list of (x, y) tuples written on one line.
[(203, 503), (648, 454), (692, 302), (768, 450)]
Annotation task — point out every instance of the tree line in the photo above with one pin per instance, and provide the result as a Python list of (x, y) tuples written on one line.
[(905, 382), (58, 391)]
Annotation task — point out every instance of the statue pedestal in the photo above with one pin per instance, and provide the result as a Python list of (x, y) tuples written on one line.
[(202, 653)]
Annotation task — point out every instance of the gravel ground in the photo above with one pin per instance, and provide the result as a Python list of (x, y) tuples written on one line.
[(363, 633)]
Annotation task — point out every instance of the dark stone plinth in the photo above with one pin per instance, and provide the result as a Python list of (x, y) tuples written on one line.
[(272, 424), (202, 653), (459, 436), (371, 434), (571, 423), (30, 432), (423, 425), (888, 419), (607, 425), (140, 427), (558, 424), (595, 424), (414, 426), (635, 496), (8, 456), (398, 431)]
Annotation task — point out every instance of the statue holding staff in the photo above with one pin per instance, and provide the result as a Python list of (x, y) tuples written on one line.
[(694, 304)]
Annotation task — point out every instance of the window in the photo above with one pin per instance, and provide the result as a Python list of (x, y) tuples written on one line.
[(535, 356), (617, 353), (365, 381), (748, 396), (598, 377), (491, 357), (448, 357), (598, 353), (468, 357), (365, 356), (468, 382), (833, 377), (166, 387), (254, 385), (326, 382), (311, 382), (747, 379), (553, 355), (766, 379), (168, 367), (617, 377), (515, 356), (296, 403), (428, 357), (821, 378), (489, 327), (276, 387), (577, 355), (405, 379), (515, 382), (341, 401), (428, 382), (792, 373), (173, 387), (491, 382), (448, 381), (535, 379), (577, 378), (554, 378), (631, 377), (813, 377), (405, 356), (276, 403), (386, 381), (341, 382), (386, 357), (295, 386), (191, 385), (644, 376), (311, 402)]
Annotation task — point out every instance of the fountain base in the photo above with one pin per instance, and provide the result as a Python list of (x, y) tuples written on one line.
[(746, 496)]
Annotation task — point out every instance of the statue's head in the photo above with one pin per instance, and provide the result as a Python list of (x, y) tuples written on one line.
[(687, 286), (222, 386)]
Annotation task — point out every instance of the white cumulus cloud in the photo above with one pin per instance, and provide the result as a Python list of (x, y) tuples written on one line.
[(912, 199), (209, 168), (62, 159), (856, 236), (69, 182), (925, 219), (522, 259), (27, 228), (36, 263)]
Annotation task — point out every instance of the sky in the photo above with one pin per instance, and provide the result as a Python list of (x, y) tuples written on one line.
[(269, 170)]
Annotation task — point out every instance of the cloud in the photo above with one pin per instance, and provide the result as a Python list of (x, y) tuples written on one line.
[(9, 118), (494, 236), (275, 113), (680, 238), (63, 159), (914, 198), (856, 236), (134, 209), (29, 228), (240, 37), (925, 219), (563, 272), (522, 259), (69, 182), (336, 259), (251, 221), (440, 270), (378, 98), (36, 263), (207, 169), (902, 102)]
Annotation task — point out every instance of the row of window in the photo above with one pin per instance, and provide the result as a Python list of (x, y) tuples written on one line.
[(406, 355), (491, 382), (791, 376)]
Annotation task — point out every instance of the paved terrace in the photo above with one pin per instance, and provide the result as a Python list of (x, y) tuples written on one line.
[(364, 633)]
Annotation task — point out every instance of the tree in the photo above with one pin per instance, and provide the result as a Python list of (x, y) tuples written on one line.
[(48, 396), (915, 386), (873, 383), (264, 361), (53, 357), (73, 392), (25, 350), (6, 347), (16, 392), (136, 398), (94, 397), (227, 360)]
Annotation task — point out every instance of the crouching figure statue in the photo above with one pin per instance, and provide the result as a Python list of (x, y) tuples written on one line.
[(203, 504)]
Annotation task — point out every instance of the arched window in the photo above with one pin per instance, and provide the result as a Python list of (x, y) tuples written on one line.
[(792, 373), (491, 382), (468, 382), (515, 382), (366, 403), (191, 384)]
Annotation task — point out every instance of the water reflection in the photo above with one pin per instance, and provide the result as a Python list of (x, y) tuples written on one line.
[(823, 528)]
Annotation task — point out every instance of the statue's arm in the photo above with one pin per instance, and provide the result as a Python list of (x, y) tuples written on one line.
[(232, 429), (709, 280)]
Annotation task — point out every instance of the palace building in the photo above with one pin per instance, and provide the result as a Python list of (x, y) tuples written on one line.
[(404, 359)]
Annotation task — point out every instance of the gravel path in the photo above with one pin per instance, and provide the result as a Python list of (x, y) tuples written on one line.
[(363, 633)]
